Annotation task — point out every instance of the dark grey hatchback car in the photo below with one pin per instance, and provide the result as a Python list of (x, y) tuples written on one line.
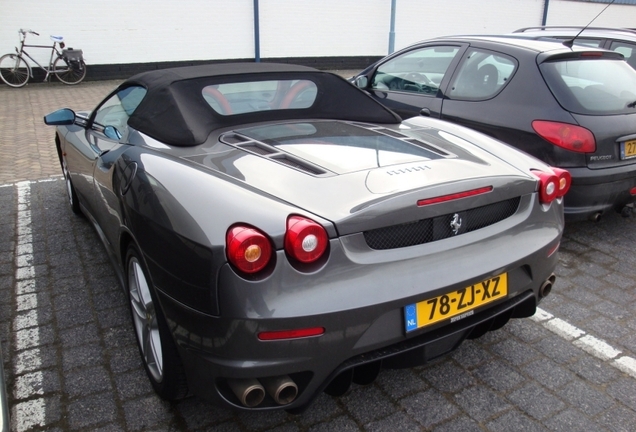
[(573, 107)]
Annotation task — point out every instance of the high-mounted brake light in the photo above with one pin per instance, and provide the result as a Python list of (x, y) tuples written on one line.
[(305, 240), (592, 54), (568, 136), (247, 248), (451, 197), (291, 334)]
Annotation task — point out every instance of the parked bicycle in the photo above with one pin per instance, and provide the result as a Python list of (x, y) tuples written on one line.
[(66, 64)]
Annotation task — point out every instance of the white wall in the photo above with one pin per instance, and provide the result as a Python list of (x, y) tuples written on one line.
[(136, 31), (317, 28), (418, 20), (567, 12)]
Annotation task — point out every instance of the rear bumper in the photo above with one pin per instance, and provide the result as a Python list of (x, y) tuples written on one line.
[(359, 297), (598, 191), (314, 363)]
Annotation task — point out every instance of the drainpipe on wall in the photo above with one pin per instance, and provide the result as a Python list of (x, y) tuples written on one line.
[(257, 36), (392, 31), (545, 12)]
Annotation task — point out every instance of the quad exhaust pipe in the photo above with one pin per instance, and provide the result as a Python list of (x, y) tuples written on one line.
[(251, 392), (546, 286), (282, 389)]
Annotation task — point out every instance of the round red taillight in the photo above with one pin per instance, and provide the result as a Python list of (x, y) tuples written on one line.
[(305, 240), (568, 136), (564, 183), (548, 186), (247, 248)]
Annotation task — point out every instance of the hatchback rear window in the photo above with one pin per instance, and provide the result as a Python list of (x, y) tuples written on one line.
[(592, 86)]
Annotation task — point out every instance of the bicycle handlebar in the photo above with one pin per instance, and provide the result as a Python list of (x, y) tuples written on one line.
[(25, 31)]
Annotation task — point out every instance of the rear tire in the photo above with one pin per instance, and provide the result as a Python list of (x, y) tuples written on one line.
[(156, 346), (70, 190), (68, 73), (14, 71)]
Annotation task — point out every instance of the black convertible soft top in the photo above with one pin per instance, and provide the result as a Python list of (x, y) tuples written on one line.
[(174, 111)]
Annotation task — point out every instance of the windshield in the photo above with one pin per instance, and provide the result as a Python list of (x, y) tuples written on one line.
[(597, 86)]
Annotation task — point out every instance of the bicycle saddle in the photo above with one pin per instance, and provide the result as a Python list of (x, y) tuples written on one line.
[(57, 38)]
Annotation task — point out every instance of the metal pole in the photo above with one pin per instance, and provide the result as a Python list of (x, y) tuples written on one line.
[(392, 31), (257, 36), (545, 12)]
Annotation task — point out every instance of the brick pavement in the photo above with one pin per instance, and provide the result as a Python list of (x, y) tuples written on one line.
[(27, 150), (72, 363)]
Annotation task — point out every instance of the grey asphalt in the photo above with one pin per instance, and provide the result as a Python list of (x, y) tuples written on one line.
[(71, 362)]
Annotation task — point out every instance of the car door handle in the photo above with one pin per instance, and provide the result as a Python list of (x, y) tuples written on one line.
[(425, 112)]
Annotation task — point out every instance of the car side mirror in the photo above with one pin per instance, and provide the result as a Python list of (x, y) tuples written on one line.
[(112, 133), (362, 81), (64, 116)]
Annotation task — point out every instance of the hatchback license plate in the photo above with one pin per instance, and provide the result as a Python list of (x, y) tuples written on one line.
[(628, 149), (455, 305)]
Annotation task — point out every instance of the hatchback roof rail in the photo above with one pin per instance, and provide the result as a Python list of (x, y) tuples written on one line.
[(616, 29)]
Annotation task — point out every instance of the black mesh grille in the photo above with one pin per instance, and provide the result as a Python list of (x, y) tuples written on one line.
[(441, 227)]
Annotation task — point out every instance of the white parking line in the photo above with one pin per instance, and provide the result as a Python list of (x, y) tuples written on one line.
[(29, 381), (586, 342), (564, 329), (597, 347), (44, 180), (627, 365)]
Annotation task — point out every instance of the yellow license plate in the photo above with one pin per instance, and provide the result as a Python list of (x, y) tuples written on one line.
[(455, 305), (628, 149)]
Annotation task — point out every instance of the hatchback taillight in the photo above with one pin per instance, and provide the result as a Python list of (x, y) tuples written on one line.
[(568, 136), (247, 248), (553, 185), (305, 240)]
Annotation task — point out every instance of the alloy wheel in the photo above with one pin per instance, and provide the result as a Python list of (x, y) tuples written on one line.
[(67, 180), (145, 319)]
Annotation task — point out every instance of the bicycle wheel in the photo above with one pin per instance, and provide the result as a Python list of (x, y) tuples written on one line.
[(69, 73), (14, 71)]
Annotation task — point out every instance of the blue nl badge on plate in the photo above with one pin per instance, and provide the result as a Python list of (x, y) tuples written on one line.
[(410, 317)]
